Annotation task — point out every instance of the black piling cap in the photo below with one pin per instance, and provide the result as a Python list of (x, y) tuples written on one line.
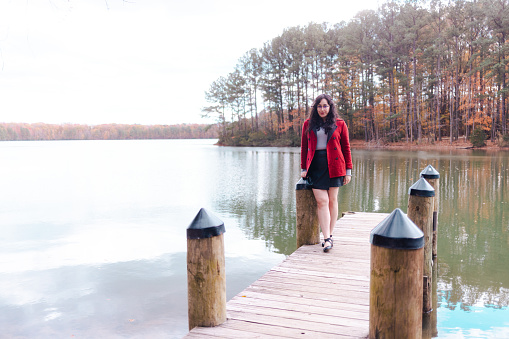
[(302, 184), (422, 189), (430, 173), (205, 225), (397, 231)]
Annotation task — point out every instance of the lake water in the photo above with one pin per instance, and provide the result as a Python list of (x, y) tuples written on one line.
[(93, 233)]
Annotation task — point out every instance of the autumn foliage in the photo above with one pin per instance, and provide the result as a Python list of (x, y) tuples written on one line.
[(415, 71)]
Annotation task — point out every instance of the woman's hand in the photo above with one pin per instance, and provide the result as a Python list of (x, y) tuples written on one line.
[(304, 174), (347, 179)]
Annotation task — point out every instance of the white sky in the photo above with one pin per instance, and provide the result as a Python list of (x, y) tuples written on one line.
[(137, 61)]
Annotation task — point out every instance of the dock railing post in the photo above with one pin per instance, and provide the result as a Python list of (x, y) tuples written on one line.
[(420, 211), (206, 278), (432, 177), (308, 230), (395, 292)]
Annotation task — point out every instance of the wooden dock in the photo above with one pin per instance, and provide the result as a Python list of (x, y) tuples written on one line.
[(311, 294)]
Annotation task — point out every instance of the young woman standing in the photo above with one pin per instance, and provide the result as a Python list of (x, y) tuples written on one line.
[(326, 161)]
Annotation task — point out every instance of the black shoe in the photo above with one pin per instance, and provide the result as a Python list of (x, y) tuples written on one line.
[(327, 248), (323, 243)]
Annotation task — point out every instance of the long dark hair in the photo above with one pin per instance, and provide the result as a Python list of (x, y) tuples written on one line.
[(315, 121)]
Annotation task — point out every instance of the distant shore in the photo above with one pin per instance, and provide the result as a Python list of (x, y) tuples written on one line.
[(445, 144)]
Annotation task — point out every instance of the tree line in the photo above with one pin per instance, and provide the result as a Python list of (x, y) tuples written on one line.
[(41, 131), (411, 70)]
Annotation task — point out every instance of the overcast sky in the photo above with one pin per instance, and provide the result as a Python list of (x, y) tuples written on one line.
[(137, 61)]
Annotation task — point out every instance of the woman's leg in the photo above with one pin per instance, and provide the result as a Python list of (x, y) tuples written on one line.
[(322, 204), (333, 207)]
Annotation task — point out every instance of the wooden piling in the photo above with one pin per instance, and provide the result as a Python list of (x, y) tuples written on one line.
[(396, 278), (289, 300), (420, 211), (434, 314), (308, 229), (426, 322), (206, 278), (432, 177), (429, 320)]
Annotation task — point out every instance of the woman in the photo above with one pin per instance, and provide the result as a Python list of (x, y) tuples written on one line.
[(326, 161)]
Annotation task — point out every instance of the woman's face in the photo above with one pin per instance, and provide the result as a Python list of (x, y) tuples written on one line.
[(323, 108)]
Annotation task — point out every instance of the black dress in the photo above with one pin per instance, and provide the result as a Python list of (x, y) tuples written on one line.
[(318, 173)]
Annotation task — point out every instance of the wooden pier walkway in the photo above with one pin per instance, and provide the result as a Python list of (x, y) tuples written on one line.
[(311, 294)]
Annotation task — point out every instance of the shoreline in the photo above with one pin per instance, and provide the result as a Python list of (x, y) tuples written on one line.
[(438, 145)]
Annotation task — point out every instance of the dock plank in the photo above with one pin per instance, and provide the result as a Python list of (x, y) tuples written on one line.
[(310, 294)]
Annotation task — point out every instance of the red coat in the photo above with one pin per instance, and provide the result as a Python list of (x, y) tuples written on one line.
[(339, 157)]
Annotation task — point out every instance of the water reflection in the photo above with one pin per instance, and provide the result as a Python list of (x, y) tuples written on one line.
[(93, 240), (93, 233), (258, 188), (473, 243), (473, 229), (103, 301), (473, 219)]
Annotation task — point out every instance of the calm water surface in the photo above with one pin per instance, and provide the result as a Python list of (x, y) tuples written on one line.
[(93, 238)]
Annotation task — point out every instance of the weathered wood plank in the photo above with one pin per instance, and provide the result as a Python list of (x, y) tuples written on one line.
[(315, 308), (317, 274), (303, 301), (361, 299), (229, 333), (332, 284), (321, 266), (280, 331), (298, 315), (318, 258), (333, 289), (306, 325), (311, 294)]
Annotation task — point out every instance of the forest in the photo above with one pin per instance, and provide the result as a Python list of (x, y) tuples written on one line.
[(40, 131), (414, 71)]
